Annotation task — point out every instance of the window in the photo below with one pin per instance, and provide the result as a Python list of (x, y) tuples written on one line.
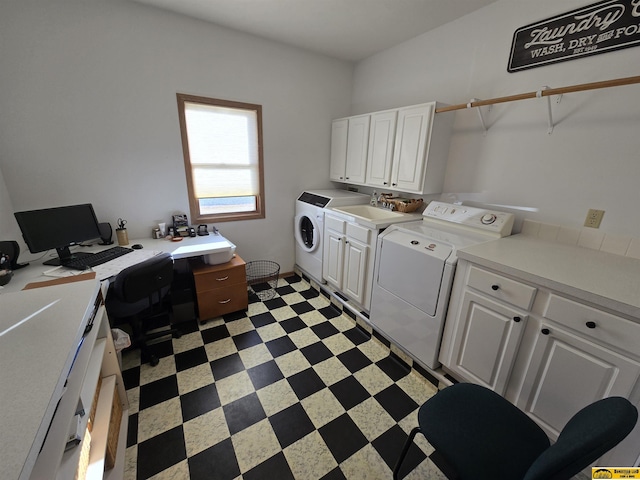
[(222, 146)]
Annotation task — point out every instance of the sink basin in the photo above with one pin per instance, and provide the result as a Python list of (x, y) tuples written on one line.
[(369, 213)]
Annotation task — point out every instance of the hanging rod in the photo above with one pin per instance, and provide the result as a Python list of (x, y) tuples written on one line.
[(545, 93)]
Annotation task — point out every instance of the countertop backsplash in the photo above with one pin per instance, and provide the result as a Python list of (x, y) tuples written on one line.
[(624, 245)]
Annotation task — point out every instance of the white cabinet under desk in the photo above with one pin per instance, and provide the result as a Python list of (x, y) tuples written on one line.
[(55, 348), (551, 327)]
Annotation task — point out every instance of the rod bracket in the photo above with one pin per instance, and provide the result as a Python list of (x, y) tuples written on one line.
[(480, 115), (539, 94)]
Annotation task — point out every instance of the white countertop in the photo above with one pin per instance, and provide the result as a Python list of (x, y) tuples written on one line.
[(40, 331), (187, 247), (612, 281)]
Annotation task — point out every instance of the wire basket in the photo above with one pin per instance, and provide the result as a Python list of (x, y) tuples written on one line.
[(262, 278)]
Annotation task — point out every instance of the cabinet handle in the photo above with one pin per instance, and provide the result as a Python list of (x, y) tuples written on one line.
[(495, 287), (394, 184), (385, 183), (224, 301), (591, 324), (347, 178), (222, 279), (545, 331), (516, 319)]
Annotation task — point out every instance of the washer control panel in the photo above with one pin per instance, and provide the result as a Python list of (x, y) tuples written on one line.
[(499, 223)]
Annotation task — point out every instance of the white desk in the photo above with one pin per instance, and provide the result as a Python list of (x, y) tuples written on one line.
[(40, 330), (187, 247)]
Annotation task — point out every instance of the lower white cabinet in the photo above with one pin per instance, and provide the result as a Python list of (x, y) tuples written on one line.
[(485, 341), (346, 258), (548, 354), (567, 372)]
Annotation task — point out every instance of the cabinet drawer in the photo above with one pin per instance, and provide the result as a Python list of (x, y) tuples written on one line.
[(334, 223), (359, 233), (221, 301), (603, 327), (220, 278), (502, 288)]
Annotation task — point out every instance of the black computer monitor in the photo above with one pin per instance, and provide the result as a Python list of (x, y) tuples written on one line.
[(59, 228)]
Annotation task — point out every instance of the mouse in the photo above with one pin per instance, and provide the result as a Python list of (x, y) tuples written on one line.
[(137, 246)]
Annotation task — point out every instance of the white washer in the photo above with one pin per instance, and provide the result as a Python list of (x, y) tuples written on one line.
[(415, 265), (309, 224)]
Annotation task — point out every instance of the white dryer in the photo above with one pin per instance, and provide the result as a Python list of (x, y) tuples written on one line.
[(415, 266), (309, 225)]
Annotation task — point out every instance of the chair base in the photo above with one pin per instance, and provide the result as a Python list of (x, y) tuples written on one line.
[(141, 337), (405, 450), (145, 350)]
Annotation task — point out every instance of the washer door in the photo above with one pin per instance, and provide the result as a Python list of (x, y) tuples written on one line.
[(307, 232)]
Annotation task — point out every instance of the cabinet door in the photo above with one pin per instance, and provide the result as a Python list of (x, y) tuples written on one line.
[(357, 145), (333, 256), (355, 269), (566, 373), (486, 340), (411, 144), (380, 154), (338, 149)]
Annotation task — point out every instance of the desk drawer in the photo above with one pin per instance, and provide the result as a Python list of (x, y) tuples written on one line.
[(502, 288), (620, 333), (220, 289), (220, 301), (219, 278)]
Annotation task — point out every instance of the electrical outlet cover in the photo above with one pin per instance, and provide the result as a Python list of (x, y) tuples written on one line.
[(594, 218)]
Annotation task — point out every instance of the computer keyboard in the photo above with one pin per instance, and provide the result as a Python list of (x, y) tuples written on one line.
[(84, 262)]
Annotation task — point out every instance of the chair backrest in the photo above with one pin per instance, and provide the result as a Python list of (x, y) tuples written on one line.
[(144, 279), (589, 434)]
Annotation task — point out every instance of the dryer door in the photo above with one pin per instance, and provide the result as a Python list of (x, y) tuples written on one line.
[(307, 232), (411, 267)]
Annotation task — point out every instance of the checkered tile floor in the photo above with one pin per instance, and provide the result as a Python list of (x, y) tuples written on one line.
[(290, 389)]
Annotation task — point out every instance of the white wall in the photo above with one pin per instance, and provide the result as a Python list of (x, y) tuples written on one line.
[(89, 113), (9, 229), (591, 160)]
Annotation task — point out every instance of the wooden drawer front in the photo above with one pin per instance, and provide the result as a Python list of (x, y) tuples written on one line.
[(334, 223), (603, 327), (502, 288), (220, 301), (359, 233), (220, 278)]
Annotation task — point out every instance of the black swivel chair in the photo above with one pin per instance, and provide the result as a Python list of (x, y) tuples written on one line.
[(137, 295), (481, 435)]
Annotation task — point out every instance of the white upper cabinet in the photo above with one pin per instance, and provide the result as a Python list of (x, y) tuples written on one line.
[(413, 133), (337, 171), (381, 142), (403, 149), (349, 144)]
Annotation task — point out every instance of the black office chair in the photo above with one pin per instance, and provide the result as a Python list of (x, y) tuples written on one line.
[(138, 295), (481, 435)]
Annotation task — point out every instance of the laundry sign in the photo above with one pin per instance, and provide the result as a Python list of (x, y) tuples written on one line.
[(602, 27)]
